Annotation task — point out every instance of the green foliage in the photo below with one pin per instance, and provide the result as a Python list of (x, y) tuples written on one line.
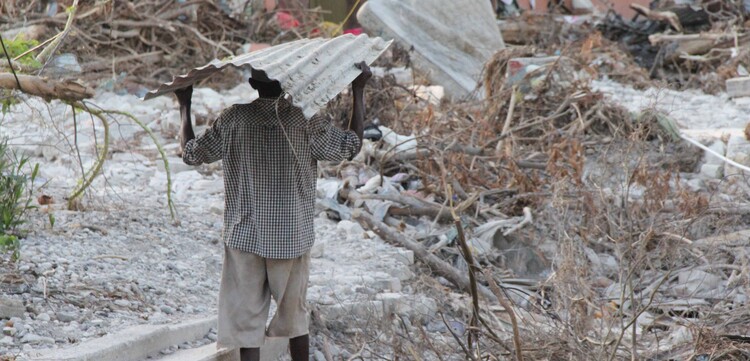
[(7, 100), (15, 196), (18, 46), (9, 242)]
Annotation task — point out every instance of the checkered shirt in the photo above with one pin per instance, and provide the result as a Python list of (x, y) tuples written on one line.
[(270, 153)]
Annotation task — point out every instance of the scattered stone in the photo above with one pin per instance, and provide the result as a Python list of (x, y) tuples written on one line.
[(401, 272), (719, 147), (9, 331), (176, 165), (36, 339), (318, 249), (44, 317), (738, 150), (404, 256), (350, 228), (166, 309), (122, 303), (694, 282), (66, 316), (712, 171), (169, 350), (7, 341), (738, 87), (388, 284), (10, 307), (319, 356)]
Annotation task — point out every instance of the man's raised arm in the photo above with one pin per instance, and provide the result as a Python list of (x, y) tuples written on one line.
[(356, 122), (184, 96), (207, 148)]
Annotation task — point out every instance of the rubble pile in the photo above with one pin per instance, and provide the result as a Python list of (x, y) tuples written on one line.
[(698, 44), (557, 208)]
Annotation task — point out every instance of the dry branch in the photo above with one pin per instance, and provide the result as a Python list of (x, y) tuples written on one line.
[(46, 88), (512, 314), (50, 49), (663, 16), (436, 264)]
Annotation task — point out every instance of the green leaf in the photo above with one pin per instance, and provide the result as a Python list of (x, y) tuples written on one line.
[(34, 172)]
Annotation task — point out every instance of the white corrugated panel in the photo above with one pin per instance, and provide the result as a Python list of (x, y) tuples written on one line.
[(312, 71), (449, 40)]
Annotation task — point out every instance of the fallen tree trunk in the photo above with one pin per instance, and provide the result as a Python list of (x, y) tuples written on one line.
[(436, 264), (45, 88)]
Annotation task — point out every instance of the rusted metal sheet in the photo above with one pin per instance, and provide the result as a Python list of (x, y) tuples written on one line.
[(312, 71)]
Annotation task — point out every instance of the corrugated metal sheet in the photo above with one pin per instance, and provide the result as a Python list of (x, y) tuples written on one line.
[(312, 71), (451, 39)]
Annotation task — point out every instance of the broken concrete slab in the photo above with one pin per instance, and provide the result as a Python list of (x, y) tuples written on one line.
[(271, 350), (738, 87), (134, 343), (450, 49)]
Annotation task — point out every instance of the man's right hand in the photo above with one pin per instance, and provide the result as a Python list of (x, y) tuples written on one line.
[(184, 95)]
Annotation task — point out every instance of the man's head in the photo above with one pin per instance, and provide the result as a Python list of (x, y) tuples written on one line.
[(266, 87)]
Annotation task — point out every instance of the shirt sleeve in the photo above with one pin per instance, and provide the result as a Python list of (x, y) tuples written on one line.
[(207, 148), (331, 143)]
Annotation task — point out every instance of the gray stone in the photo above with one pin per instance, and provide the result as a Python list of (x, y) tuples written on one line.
[(401, 271), (404, 256), (319, 356), (122, 303), (738, 150), (9, 331), (7, 341), (44, 317), (176, 165), (169, 350), (166, 309), (719, 147), (388, 284), (318, 249), (64, 64), (738, 87), (712, 171), (32, 338), (344, 312), (66, 316), (10, 307)]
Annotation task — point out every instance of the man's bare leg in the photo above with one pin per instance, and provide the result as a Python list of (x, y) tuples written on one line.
[(249, 354), (299, 347)]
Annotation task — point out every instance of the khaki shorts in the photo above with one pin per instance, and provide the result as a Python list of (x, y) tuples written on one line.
[(248, 282)]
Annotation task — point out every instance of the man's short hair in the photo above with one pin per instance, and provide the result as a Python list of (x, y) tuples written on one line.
[(259, 75)]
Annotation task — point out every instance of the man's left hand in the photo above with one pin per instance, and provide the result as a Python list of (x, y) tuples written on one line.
[(362, 79)]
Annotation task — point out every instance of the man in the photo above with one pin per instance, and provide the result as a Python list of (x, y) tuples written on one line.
[(270, 153)]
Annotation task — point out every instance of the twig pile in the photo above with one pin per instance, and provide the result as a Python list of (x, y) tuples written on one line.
[(149, 41)]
